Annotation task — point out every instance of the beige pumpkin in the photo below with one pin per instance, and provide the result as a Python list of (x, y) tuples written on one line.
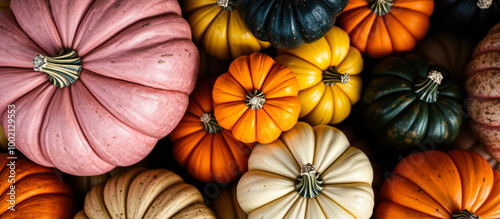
[(309, 172), (141, 193)]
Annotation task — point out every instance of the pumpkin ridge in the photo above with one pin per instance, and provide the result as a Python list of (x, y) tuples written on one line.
[(332, 200), (228, 148), (403, 25)]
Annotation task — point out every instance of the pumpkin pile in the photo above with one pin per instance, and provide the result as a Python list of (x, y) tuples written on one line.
[(250, 109)]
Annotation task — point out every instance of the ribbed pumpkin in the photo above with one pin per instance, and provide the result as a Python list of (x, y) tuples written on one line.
[(409, 102), (81, 185), (209, 152), (382, 27), (123, 72), (38, 191), (328, 74), (289, 24), (309, 172), (449, 50), (141, 193), (226, 206), (220, 29), (483, 90), (256, 99), (466, 141), (433, 184)]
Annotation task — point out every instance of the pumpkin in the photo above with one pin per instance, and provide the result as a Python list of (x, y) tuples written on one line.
[(4, 5), (210, 152), (4, 141), (81, 185), (142, 193), (468, 17), (328, 74), (466, 141), (482, 87), (256, 99), (122, 72), (225, 205), (309, 172), (289, 24), (409, 103), (219, 27), (449, 50), (32, 191), (380, 28), (434, 184)]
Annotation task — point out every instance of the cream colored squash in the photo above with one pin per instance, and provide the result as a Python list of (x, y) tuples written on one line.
[(140, 193), (309, 172)]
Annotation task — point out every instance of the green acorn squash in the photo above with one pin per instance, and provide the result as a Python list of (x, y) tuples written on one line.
[(409, 103)]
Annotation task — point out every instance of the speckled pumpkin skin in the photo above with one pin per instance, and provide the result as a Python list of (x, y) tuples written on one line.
[(483, 90), (398, 117)]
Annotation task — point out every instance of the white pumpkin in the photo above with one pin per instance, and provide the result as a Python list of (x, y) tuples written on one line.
[(309, 172)]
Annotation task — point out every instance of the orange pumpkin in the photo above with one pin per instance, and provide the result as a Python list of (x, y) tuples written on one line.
[(256, 99), (382, 27), (4, 142), (209, 152), (435, 184), (37, 191)]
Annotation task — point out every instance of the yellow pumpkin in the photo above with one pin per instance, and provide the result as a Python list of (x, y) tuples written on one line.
[(218, 26), (225, 205), (4, 142), (328, 74)]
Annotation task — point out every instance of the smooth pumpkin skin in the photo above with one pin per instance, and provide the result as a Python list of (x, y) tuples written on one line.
[(139, 66), (142, 193), (220, 30), (226, 206), (482, 87), (449, 50), (280, 111), (324, 104), (394, 112), (208, 157), (39, 191), (397, 31), (289, 24), (435, 184), (268, 188), (465, 16)]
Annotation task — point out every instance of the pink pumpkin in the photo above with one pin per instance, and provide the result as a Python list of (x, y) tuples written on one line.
[(138, 67)]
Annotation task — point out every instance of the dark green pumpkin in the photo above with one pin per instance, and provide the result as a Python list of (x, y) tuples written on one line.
[(406, 108), (290, 23)]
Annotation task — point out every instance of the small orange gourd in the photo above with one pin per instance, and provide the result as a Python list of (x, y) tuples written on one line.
[(256, 99)]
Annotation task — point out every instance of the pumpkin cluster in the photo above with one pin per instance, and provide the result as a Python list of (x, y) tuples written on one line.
[(250, 109)]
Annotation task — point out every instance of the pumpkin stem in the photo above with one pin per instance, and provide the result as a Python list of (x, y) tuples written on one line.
[(380, 7), (255, 99), (332, 76), (210, 124), (309, 183), (464, 214), (484, 4), (428, 89), (63, 69), (226, 4)]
